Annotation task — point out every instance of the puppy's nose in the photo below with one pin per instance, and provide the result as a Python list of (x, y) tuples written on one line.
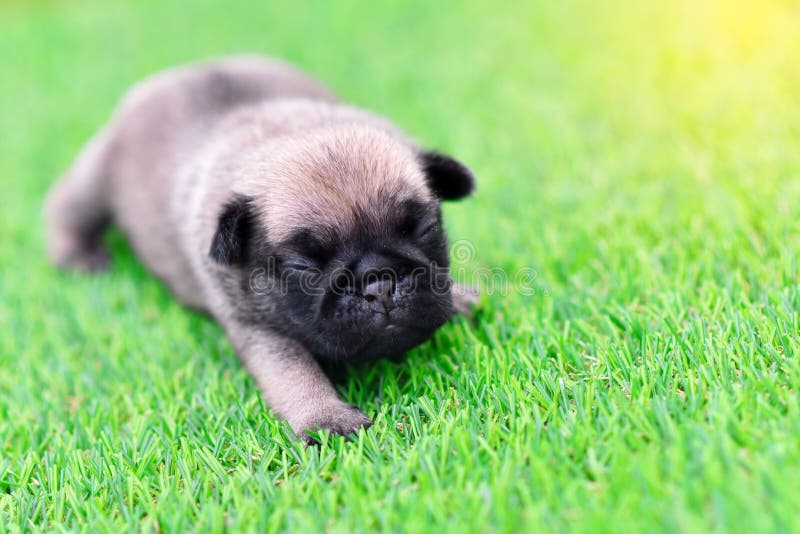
[(379, 294)]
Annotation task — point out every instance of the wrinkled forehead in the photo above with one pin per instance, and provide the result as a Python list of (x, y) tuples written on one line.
[(335, 215), (337, 182), (364, 228)]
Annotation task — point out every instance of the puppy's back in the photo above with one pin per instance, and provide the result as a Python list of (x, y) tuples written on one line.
[(159, 124), (212, 88)]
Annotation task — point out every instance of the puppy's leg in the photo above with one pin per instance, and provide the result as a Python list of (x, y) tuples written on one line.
[(76, 212), (465, 296), (294, 385)]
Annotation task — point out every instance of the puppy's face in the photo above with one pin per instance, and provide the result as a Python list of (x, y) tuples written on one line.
[(341, 245)]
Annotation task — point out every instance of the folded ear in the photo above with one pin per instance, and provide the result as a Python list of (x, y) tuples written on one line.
[(234, 230), (449, 179)]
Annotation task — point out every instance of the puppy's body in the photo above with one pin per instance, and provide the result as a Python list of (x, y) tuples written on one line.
[(163, 128), (232, 179)]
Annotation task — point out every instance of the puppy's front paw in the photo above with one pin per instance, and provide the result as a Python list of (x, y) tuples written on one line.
[(465, 296), (341, 419)]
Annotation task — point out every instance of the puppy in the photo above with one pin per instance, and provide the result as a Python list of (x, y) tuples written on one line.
[(309, 229)]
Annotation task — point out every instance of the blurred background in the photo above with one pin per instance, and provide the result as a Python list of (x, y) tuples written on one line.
[(643, 115), (642, 157)]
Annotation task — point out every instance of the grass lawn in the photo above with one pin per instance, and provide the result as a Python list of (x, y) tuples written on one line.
[(642, 158)]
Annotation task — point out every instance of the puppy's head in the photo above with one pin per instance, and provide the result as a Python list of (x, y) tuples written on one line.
[(337, 241)]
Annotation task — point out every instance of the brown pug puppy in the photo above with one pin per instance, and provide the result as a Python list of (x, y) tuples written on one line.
[(310, 230)]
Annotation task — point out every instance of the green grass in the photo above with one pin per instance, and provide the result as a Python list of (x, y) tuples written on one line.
[(643, 158)]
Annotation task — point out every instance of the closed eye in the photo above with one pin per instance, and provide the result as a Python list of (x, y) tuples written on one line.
[(427, 229), (297, 264), (306, 251), (418, 228), (419, 220)]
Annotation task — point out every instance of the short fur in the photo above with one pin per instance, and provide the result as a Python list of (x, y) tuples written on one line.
[(256, 197)]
